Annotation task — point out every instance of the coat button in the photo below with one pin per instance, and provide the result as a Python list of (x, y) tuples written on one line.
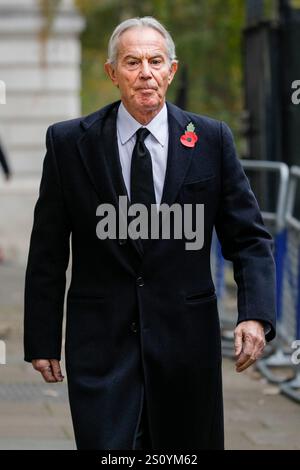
[(134, 327), (122, 241), (140, 281)]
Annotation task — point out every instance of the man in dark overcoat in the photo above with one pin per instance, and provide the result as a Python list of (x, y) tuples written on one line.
[(142, 345)]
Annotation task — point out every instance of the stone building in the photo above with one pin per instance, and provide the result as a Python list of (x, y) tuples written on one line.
[(41, 74)]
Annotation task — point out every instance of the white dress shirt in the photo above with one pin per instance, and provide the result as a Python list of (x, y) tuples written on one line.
[(156, 142)]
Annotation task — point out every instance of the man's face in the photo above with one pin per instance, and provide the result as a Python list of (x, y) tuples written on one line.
[(143, 70)]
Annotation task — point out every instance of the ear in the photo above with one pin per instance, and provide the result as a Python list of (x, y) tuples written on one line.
[(110, 70), (173, 70)]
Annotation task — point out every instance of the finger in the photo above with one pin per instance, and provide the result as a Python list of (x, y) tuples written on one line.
[(251, 352), (39, 364), (247, 351), (242, 359), (248, 345), (43, 366), (254, 345), (47, 374), (245, 365), (56, 370), (238, 343), (259, 349)]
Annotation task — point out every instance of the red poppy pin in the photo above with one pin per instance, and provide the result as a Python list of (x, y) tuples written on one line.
[(189, 138)]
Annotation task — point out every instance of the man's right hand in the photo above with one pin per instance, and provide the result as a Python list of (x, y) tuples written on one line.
[(49, 368)]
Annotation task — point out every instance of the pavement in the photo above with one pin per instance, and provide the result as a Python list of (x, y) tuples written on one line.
[(35, 415)]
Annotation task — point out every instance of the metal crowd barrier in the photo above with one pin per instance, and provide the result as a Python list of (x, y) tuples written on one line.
[(284, 224), (290, 318), (278, 367)]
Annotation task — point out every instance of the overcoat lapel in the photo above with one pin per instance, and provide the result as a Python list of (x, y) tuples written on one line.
[(179, 158), (99, 152)]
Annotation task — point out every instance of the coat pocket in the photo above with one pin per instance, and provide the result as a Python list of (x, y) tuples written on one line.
[(195, 186), (199, 297)]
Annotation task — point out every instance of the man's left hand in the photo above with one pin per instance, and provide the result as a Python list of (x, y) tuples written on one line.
[(249, 343)]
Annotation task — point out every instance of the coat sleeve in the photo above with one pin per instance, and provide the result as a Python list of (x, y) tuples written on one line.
[(48, 258), (245, 240)]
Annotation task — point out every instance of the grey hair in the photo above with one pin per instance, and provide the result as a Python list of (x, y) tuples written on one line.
[(145, 22)]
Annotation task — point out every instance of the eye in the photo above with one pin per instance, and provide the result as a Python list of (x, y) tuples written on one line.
[(132, 62), (156, 61)]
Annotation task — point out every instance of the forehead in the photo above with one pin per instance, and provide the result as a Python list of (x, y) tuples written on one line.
[(136, 40)]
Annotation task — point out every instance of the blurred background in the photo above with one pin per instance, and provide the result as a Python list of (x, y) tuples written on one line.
[(239, 62)]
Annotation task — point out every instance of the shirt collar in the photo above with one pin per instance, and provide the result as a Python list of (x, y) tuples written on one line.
[(127, 125)]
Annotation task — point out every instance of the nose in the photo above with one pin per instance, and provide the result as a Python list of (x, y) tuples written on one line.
[(145, 70)]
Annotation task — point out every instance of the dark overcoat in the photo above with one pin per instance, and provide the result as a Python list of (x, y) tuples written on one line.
[(142, 322)]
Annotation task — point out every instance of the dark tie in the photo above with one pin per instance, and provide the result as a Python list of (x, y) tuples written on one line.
[(141, 180)]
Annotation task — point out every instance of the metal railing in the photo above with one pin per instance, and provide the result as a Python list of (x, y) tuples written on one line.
[(277, 218), (290, 319), (284, 224)]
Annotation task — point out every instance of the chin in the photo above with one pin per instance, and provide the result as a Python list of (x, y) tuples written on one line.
[(148, 104)]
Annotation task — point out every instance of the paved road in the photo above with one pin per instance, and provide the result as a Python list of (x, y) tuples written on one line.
[(35, 415)]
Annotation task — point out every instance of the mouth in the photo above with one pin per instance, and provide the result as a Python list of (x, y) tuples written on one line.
[(146, 89)]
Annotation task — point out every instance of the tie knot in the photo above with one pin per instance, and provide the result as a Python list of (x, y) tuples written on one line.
[(141, 134)]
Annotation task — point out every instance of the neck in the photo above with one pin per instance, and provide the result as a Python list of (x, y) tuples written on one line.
[(143, 117)]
